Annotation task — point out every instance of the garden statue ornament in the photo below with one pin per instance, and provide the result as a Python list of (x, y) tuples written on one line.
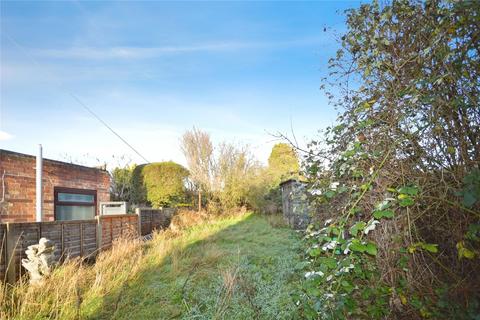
[(40, 260)]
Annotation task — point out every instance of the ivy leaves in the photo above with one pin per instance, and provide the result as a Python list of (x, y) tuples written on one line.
[(405, 201), (314, 252), (408, 190), (361, 247), (463, 251), (465, 247), (430, 247), (340, 247), (371, 249), (400, 116), (383, 214), (470, 192), (357, 227), (330, 263), (406, 195)]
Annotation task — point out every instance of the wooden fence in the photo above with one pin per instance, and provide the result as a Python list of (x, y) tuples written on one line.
[(3, 249), (112, 227), (153, 219), (78, 238), (72, 239)]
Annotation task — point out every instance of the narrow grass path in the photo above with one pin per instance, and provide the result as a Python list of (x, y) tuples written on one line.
[(231, 268)]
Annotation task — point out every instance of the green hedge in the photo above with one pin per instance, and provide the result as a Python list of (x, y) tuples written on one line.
[(160, 184)]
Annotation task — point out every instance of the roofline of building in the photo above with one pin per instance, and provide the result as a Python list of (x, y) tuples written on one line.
[(14, 153), (291, 180)]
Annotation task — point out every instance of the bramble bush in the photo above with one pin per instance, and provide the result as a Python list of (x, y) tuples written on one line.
[(396, 182)]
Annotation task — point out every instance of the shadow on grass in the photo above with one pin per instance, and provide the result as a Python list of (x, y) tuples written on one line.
[(243, 270)]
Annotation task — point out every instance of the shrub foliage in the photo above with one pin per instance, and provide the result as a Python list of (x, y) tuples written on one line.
[(283, 163), (121, 184), (160, 184), (227, 175), (396, 180)]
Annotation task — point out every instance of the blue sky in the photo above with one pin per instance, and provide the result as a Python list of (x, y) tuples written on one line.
[(151, 70)]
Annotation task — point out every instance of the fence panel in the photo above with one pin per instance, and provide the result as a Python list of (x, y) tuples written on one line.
[(153, 219), (79, 238), (71, 238), (113, 227), (19, 237), (3, 252)]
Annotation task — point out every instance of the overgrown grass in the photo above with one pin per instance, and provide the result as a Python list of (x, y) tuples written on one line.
[(237, 267)]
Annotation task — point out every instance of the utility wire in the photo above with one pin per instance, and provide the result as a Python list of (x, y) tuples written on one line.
[(75, 97)]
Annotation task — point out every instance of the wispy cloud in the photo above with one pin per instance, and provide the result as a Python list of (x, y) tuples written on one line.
[(130, 52), (134, 52), (4, 136)]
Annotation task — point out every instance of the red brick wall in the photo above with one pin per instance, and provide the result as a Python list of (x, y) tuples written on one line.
[(18, 171)]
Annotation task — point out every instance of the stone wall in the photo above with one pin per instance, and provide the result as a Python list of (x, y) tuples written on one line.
[(295, 205), (17, 174)]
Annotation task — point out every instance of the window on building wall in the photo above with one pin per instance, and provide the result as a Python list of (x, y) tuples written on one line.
[(75, 204)]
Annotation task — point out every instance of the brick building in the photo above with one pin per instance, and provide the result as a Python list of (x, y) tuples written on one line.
[(70, 191)]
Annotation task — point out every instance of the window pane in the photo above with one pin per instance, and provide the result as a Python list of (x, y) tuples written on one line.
[(75, 212), (75, 197)]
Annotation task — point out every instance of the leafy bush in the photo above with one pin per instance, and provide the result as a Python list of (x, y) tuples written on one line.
[(160, 184), (121, 184), (396, 232), (283, 163), (228, 175)]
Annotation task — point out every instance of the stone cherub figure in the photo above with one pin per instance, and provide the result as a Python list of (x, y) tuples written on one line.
[(40, 260)]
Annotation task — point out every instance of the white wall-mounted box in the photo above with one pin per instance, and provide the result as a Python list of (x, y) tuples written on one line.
[(113, 207)]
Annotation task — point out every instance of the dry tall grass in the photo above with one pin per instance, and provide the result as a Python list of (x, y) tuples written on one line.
[(76, 288), (62, 295), (230, 279)]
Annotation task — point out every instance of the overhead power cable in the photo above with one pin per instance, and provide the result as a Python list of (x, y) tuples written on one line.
[(106, 125), (75, 97)]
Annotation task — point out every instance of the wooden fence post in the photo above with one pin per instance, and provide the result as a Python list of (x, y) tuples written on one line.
[(62, 235), (81, 239), (151, 222), (12, 242), (199, 200), (138, 212), (99, 233)]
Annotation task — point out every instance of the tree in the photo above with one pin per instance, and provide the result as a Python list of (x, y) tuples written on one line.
[(160, 184), (236, 170), (224, 174), (198, 150), (121, 186), (283, 162)]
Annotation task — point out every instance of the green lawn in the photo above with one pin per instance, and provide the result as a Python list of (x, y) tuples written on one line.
[(232, 268)]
